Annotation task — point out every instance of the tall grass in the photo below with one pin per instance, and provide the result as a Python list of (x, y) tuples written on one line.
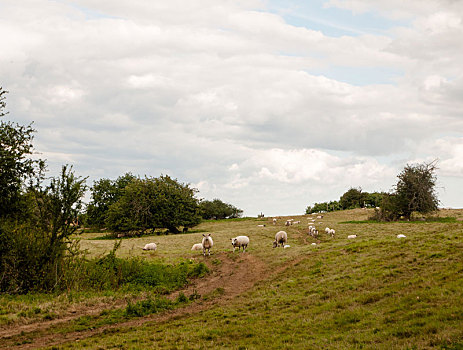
[(111, 273)]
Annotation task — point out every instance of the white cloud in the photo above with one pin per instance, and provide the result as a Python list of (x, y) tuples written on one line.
[(231, 97)]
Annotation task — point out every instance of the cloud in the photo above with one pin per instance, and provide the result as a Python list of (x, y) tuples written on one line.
[(233, 98)]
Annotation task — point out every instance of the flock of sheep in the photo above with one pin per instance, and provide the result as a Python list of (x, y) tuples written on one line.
[(281, 239)]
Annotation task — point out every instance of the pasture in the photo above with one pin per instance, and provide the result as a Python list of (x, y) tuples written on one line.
[(374, 292)]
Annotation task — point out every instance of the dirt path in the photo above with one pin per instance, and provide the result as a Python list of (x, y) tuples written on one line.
[(233, 276)]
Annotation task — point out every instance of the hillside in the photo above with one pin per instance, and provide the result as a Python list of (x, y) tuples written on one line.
[(375, 291)]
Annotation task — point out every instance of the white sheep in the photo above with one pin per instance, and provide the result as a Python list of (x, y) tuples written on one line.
[(332, 232), (281, 237), (240, 241), (327, 230), (260, 225), (352, 236), (296, 222), (150, 246), (274, 221), (207, 244), (197, 246), (401, 236)]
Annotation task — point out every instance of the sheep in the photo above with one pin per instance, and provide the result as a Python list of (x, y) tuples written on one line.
[(274, 221), (352, 236), (327, 230), (319, 216), (289, 222), (260, 225), (240, 241), (296, 222), (332, 232), (401, 236), (150, 246), (281, 237), (197, 246), (207, 244)]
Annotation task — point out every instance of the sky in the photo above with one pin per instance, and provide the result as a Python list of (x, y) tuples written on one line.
[(268, 105)]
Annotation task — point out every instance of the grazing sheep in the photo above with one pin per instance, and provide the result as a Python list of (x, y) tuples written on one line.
[(289, 222), (281, 237), (240, 241), (274, 221), (260, 225), (150, 246), (207, 244), (332, 232), (197, 246), (320, 217), (327, 230), (401, 236), (296, 222), (352, 236)]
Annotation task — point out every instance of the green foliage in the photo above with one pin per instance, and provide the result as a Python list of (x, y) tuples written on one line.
[(111, 273), (217, 210), (414, 192), (16, 166), (33, 246), (353, 198), (105, 192), (36, 219), (323, 207), (151, 203)]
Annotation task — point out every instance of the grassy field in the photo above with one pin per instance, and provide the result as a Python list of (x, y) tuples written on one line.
[(374, 292)]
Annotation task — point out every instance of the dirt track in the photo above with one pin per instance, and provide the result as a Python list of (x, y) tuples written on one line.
[(233, 277)]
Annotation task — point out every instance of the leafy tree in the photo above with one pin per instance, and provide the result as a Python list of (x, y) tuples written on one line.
[(35, 219), (373, 199), (105, 192), (353, 198), (152, 203), (216, 209), (415, 190), (16, 166)]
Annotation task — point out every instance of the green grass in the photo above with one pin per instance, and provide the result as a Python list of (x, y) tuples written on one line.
[(373, 292)]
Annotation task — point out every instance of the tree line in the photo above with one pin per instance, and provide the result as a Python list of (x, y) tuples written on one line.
[(415, 191)]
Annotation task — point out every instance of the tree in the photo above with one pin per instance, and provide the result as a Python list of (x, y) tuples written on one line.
[(105, 192), (151, 203), (216, 209), (16, 166), (415, 190), (35, 219), (322, 207), (353, 198)]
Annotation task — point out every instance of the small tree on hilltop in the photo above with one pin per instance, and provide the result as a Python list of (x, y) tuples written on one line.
[(415, 190)]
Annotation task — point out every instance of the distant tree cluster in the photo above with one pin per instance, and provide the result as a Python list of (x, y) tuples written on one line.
[(132, 205), (216, 209), (353, 198), (414, 192)]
